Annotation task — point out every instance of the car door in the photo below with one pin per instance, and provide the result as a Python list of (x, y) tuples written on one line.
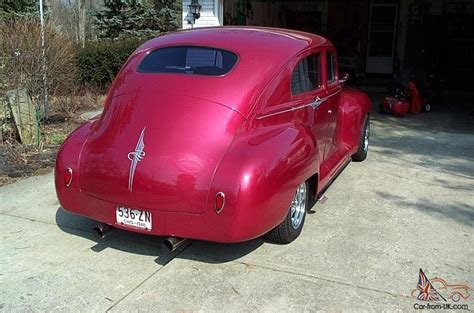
[(307, 90), (334, 152)]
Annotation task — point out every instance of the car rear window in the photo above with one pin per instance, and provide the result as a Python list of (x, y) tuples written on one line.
[(189, 60)]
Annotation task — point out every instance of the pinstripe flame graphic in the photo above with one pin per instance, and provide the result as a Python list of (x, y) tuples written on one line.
[(135, 157)]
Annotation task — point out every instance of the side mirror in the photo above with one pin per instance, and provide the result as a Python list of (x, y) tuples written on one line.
[(343, 78)]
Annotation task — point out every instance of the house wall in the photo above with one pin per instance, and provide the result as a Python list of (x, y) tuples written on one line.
[(211, 13)]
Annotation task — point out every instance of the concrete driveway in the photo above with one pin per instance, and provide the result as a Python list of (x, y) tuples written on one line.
[(410, 205)]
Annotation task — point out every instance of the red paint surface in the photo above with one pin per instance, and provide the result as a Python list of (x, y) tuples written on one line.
[(399, 107), (206, 135), (416, 100)]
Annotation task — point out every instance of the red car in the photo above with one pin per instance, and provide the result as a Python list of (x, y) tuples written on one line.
[(222, 134)]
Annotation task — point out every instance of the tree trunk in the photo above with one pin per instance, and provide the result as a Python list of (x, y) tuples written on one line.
[(81, 6)]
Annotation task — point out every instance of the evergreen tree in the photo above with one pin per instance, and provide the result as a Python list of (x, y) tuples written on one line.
[(131, 18), (19, 8)]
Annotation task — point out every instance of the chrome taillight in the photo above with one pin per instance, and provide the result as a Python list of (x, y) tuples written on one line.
[(68, 176), (219, 202)]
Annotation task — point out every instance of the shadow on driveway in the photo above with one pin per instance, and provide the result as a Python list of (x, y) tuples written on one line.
[(459, 212), (442, 140), (151, 245), (454, 156)]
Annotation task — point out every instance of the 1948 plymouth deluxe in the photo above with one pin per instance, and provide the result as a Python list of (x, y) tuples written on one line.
[(222, 134)]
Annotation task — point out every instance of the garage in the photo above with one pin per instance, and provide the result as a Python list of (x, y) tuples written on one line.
[(374, 37)]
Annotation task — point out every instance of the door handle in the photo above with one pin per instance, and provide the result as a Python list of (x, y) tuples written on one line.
[(317, 101), (330, 111)]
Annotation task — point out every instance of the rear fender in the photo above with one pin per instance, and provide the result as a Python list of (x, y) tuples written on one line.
[(68, 157), (259, 175)]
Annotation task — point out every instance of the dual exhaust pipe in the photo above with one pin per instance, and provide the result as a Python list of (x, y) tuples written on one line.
[(101, 230), (171, 243)]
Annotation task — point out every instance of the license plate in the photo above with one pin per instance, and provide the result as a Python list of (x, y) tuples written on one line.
[(133, 217)]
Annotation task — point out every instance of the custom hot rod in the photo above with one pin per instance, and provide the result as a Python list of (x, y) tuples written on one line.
[(222, 134)]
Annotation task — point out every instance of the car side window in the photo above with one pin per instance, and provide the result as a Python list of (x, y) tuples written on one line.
[(306, 75), (331, 67)]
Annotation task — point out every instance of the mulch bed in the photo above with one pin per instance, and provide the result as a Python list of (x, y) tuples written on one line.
[(18, 161)]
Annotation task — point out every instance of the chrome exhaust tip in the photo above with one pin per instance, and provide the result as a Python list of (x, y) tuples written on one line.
[(173, 243), (101, 230)]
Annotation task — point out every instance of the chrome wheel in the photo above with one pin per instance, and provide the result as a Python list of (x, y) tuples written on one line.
[(298, 206), (363, 148), (290, 228), (366, 137)]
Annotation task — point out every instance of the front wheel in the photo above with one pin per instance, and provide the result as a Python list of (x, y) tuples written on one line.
[(292, 225), (456, 296), (361, 153)]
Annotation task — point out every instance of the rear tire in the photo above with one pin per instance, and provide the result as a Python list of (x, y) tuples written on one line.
[(293, 223), (361, 153)]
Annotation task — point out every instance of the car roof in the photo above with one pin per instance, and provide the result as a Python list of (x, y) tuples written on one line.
[(243, 39), (262, 52)]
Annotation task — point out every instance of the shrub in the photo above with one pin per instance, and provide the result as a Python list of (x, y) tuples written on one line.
[(21, 62), (99, 63), (78, 100)]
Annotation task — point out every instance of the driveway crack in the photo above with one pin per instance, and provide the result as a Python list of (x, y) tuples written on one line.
[(313, 276), (44, 222), (147, 278)]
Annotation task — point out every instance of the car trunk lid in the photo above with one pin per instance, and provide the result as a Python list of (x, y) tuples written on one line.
[(155, 152)]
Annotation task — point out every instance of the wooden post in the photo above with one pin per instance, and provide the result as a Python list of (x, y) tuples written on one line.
[(24, 116)]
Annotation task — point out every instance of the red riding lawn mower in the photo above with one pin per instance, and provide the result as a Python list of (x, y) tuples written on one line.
[(409, 98)]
